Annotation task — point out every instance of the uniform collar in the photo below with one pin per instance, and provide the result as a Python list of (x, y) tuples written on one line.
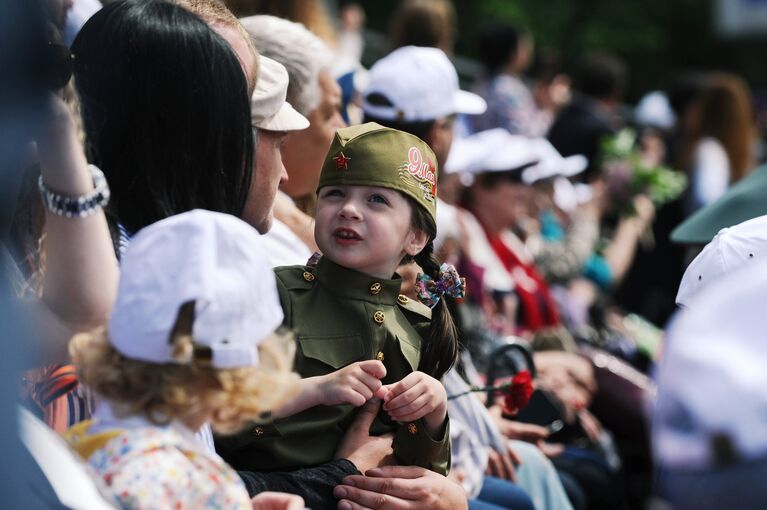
[(352, 284)]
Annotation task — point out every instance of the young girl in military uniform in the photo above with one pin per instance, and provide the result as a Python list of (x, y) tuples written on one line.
[(357, 336)]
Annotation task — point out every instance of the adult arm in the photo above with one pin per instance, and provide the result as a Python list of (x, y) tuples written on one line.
[(314, 484), (359, 451), (619, 255), (49, 333), (81, 272)]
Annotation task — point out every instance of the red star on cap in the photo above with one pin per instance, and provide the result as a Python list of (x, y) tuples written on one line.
[(342, 162)]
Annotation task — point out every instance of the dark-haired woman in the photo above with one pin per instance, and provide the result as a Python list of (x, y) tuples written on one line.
[(166, 114), (165, 111)]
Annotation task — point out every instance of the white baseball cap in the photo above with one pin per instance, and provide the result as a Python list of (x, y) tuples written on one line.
[(213, 259), (494, 150), (654, 109), (712, 402), (268, 108), (552, 163), (420, 84), (730, 249)]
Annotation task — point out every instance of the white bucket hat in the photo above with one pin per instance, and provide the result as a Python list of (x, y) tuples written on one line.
[(215, 260), (268, 108)]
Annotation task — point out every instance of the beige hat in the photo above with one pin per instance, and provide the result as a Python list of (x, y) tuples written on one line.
[(268, 108)]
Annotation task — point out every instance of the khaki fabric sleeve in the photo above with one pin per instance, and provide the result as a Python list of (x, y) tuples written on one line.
[(413, 446)]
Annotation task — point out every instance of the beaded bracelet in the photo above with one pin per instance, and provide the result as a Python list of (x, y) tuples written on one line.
[(82, 206)]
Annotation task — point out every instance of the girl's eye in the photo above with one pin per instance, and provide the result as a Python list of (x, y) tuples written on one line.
[(333, 192), (380, 199)]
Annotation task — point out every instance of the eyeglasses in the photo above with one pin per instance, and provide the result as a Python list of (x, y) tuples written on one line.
[(59, 65)]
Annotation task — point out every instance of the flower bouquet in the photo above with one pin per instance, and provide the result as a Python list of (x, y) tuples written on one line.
[(629, 173), (516, 393)]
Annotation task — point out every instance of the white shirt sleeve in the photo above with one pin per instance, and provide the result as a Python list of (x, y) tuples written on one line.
[(710, 172), (284, 247)]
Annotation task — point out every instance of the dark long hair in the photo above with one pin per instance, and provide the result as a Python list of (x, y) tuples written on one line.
[(165, 110), (439, 352)]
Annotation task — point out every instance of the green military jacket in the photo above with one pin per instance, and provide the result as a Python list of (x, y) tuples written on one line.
[(340, 316)]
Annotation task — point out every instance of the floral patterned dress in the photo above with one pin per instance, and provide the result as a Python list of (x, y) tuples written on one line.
[(150, 467)]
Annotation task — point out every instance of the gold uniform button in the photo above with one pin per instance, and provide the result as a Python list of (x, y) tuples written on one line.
[(380, 356), (379, 317), (403, 300), (309, 277), (412, 428), (375, 288), (259, 431)]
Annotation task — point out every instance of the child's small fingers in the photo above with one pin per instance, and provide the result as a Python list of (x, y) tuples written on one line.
[(412, 407), (353, 396), (403, 399), (369, 381), (417, 415), (374, 368), (405, 383), (383, 393), (362, 390)]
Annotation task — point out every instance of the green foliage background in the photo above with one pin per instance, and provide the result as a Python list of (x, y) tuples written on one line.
[(657, 38)]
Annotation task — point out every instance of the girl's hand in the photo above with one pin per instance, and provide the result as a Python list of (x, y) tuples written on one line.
[(354, 384), (416, 396)]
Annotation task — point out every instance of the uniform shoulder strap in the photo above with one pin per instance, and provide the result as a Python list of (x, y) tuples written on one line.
[(415, 310), (295, 277)]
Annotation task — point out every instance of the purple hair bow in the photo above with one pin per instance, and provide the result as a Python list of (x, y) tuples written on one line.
[(448, 282)]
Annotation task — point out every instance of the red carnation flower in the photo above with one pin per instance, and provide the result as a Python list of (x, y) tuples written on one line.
[(517, 394)]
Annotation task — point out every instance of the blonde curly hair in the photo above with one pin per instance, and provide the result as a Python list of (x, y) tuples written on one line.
[(165, 392)]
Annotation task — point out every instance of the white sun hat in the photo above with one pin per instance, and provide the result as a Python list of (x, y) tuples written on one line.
[(552, 163), (494, 150), (712, 403), (420, 84), (730, 249), (212, 259)]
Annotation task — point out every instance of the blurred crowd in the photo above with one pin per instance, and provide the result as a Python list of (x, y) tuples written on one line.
[(179, 160)]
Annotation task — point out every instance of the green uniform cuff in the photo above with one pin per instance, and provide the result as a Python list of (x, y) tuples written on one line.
[(414, 446)]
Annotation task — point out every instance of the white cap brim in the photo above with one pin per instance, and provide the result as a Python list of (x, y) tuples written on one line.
[(574, 165), (286, 119), (468, 103)]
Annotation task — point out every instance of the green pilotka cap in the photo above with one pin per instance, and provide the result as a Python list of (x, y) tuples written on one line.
[(745, 200), (372, 155)]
